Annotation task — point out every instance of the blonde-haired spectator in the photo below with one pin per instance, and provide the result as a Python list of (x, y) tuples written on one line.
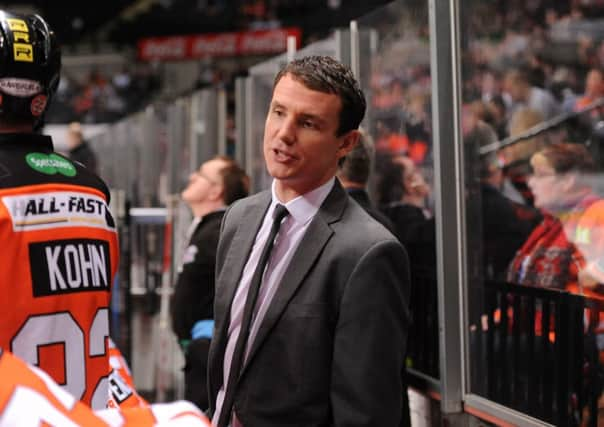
[(521, 121)]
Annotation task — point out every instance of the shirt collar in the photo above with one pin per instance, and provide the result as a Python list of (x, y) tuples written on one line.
[(303, 208)]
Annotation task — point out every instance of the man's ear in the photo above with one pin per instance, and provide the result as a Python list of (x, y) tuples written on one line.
[(568, 182), (347, 142), (216, 192)]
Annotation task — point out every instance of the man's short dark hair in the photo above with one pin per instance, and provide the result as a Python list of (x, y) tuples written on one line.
[(234, 179), (325, 74)]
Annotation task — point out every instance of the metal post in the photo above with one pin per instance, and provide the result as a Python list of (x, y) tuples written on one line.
[(292, 46), (194, 131), (449, 187), (221, 108), (355, 66), (249, 134), (240, 120)]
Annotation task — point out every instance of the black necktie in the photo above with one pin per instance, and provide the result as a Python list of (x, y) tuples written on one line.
[(279, 213)]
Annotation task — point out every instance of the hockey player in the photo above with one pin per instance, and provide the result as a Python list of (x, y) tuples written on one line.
[(59, 242)]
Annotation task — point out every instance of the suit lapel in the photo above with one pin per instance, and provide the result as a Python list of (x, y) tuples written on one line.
[(238, 254), (317, 235)]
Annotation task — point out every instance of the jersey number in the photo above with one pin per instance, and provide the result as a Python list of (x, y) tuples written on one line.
[(61, 328)]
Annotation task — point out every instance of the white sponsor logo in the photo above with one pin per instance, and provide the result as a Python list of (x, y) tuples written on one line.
[(22, 88), (273, 41), (59, 209), (175, 47), (222, 44)]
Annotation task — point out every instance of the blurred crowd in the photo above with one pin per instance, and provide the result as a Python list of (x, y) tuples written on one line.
[(515, 75), (523, 63), (534, 200), (99, 97)]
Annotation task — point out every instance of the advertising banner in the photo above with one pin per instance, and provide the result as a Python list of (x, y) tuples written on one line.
[(178, 48)]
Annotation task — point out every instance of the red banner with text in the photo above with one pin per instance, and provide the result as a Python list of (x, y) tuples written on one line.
[(177, 48)]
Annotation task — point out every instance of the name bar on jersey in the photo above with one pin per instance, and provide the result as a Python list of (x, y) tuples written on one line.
[(118, 387), (73, 265), (39, 211)]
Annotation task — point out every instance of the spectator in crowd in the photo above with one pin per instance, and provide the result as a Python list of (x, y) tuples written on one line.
[(417, 127), (563, 87), (329, 257), (516, 156), (414, 186), (496, 115), (505, 224), (97, 99), (522, 120), (402, 194), (565, 250), (214, 186), (79, 149), (402, 191), (55, 215), (560, 183), (522, 94), (122, 81), (390, 135), (405, 132), (353, 172), (594, 91)]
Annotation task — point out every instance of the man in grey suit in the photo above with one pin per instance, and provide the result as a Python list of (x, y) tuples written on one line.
[(329, 325)]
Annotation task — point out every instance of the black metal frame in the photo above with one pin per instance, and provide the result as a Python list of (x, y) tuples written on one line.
[(539, 351)]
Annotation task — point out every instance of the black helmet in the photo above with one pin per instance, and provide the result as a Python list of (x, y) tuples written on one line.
[(30, 64)]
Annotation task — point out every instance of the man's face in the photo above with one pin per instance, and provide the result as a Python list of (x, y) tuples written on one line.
[(73, 139), (205, 184), (594, 84), (413, 180), (513, 88), (543, 183), (301, 148)]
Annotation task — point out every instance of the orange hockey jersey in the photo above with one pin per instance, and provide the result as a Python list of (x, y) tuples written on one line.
[(122, 393), (59, 256), (30, 398)]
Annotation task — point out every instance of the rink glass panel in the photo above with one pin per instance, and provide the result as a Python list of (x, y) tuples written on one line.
[(532, 348), (394, 70)]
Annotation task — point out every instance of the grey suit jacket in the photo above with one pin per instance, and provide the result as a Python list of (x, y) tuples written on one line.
[(330, 349)]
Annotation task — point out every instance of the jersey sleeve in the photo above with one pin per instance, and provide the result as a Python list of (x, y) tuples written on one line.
[(174, 414), (122, 393), (30, 398)]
